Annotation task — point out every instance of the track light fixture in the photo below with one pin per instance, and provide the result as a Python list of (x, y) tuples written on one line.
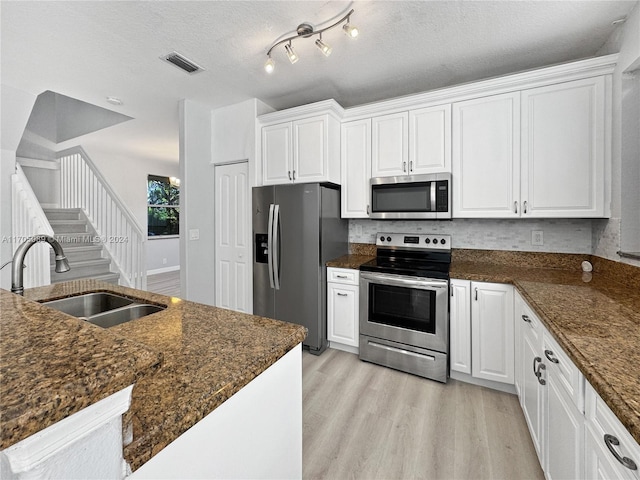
[(305, 30)]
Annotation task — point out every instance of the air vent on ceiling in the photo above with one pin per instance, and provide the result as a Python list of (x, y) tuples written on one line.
[(182, 62)]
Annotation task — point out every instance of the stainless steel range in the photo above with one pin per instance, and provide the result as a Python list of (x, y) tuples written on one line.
[(404, 304)]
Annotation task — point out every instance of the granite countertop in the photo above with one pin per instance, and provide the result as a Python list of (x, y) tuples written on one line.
[(208, 354), (53, 365), (349, 261), (594, 317)]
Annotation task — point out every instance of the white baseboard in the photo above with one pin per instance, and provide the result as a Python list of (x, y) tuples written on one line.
[(344, 348), (155, 271), (502, 387)]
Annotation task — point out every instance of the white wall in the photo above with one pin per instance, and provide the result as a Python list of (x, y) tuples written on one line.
[(626, 41), (196, 203), (560, 235), (15, 108), (128, 178)]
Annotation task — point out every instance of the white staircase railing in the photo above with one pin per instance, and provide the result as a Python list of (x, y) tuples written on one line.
[(83, 186), (28, 220)]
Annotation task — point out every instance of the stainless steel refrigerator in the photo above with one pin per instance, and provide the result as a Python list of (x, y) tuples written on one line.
[(296, 229)]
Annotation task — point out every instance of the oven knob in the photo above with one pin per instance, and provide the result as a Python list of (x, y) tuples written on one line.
[(388, 239), (435, 240), (382, 239), (443, 241), (427, 240)]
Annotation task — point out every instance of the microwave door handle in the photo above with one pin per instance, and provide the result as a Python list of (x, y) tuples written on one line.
[(433, 197)]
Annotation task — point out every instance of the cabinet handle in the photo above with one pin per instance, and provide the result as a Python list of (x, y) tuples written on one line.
[(341, 276), (343, 294), (411, 166), (367, 209), (550, 356), (515, 206), (476, 291), (294, 175), (524, 207), (526, 318), (452, 292), (289, 173), (537, 371), (610, 441), (404, 166)]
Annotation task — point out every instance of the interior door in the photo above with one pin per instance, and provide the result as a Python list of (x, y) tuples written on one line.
[(232, 237)]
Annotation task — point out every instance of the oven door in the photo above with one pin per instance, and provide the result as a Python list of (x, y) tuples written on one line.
[(408, 310)]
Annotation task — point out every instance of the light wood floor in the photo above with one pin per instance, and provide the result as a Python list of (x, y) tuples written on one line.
[(167, 283), (363, 421)]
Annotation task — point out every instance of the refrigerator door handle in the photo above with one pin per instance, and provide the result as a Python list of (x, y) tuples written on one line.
[(276, 247), (270, 245)]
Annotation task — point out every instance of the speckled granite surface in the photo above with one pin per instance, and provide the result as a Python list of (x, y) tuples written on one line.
[(53, 365), (350, 261), (208, 355), (594, 317)]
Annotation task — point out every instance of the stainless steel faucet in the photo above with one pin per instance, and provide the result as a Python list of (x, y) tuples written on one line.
[(62, 265)]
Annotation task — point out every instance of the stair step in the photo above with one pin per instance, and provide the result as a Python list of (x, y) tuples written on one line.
[(63, 213), (107, 277), (68, 226), (86, 268), (78, 253)]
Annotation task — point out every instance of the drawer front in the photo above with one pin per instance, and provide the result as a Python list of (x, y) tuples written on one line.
[(343, 275), (605, 427), (530, 325), (570, 378)]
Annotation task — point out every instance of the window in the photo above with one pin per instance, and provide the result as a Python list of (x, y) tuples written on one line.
[(163, 206)]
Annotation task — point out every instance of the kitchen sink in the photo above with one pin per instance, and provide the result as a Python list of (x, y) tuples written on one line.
[(104, 309), (84, 306), (125, 314)]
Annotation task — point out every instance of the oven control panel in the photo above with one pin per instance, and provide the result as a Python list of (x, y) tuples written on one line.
[(423, 241)]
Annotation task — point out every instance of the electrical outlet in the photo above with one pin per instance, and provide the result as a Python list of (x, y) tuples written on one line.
[(537, 238), (359, 230), (164, 261), (194, 234)]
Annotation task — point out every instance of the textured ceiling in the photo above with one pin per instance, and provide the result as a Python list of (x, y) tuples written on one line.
[(91, 50)]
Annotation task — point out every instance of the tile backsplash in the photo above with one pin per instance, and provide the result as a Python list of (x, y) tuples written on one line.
[(559, 235)]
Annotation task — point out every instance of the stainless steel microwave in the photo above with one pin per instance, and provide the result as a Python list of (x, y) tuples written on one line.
[(411, 197)]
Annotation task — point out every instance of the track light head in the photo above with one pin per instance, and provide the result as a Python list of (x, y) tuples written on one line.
[(351, 30), (324, 48), (293, 58), (269, 65)]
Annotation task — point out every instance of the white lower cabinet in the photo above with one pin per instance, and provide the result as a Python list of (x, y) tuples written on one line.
[(574, 432), (343, 308), (563, 415), (610, 450), (482, 330)]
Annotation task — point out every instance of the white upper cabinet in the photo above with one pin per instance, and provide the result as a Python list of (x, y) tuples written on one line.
[(540, 152), (430, 140), (390, 147), (276, 154), (301, 145), (563, 149), (355, 167), (486, 157)]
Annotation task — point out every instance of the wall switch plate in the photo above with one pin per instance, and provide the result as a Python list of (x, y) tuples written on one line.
[(164, 261), (194, 234), (537, 238), (359, 230)]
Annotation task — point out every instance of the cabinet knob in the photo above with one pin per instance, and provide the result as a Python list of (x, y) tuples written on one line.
[(611, 441)]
